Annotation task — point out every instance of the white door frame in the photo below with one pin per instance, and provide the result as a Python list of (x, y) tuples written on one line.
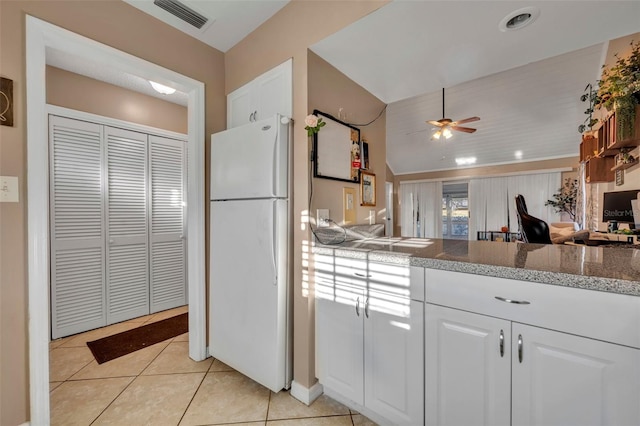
[(41, 35)]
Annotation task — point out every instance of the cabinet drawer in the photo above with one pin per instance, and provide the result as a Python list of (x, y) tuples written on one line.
[(598, 315), (389, 278)]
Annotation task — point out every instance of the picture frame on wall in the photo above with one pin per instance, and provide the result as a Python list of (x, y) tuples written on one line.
[(367, 189), (364, 154), (336, 150)]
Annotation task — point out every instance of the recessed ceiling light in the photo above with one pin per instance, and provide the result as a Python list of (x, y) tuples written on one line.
[(519, 19), (161, 88), (465, 161), (518, 155)]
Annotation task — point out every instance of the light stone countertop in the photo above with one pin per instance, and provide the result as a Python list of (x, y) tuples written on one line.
[(614, 270)]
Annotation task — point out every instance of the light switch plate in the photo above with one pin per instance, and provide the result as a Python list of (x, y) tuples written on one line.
[(322, 218), (8, 189)]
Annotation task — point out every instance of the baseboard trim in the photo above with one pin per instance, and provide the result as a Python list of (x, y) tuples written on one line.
[(306, 395)]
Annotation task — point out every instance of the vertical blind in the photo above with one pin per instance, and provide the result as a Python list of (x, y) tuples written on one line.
[(492, 200), (421, 209), (491, 203)]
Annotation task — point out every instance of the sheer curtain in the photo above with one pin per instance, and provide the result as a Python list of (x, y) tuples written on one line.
[(492, 200), (421, 209), (488, 204)]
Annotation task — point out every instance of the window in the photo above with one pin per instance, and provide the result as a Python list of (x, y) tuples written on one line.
[(455, 211)]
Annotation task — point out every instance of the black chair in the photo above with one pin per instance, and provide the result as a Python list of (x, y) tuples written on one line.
[(532, 229)]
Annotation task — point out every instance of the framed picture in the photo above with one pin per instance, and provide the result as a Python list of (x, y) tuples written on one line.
[(364, 154), (6, 102), (367, 188), (336, 150)]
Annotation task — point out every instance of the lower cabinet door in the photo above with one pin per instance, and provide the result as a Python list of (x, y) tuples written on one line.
[(339, 341), (467, 368), (393, 359), (562, 379)]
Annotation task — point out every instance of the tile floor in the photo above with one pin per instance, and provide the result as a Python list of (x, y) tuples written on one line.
[(161, 385)]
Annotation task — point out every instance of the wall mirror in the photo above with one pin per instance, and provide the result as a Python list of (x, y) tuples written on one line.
[(336, 150)]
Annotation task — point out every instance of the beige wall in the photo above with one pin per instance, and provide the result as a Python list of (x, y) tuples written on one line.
[(118, 25), (288, 34), (330, 90), (74, 91)]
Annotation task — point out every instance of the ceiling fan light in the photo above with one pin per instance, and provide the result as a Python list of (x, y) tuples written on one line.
[(437, 135), (447, 133)]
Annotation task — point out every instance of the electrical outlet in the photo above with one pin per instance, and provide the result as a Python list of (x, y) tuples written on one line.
[(322, 218)]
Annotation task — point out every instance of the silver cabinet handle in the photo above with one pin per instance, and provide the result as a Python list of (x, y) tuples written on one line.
[(520, 348), (358, 307), (255, 115), (251, 117), (366, 308), (358, 274), (501, 343), (516, 302)]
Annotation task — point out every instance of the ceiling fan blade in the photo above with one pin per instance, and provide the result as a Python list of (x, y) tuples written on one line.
[(463, 129), (435, 123), (466, 120)]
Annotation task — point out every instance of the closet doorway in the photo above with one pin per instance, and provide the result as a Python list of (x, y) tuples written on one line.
[(117, 215), (41, 37)]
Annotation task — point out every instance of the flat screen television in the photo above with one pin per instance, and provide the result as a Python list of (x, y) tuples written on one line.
[(617, 206)]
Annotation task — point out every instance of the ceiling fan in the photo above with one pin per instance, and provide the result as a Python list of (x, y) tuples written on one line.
[(445, 125)]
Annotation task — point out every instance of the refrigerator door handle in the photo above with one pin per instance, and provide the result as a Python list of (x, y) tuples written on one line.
[(274, 247), (276, 167)]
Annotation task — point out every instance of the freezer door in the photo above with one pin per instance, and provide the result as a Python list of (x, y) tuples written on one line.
[(250, 161), (248, 297)]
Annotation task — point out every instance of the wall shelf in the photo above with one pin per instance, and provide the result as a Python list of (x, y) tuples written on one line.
[(623, 166)]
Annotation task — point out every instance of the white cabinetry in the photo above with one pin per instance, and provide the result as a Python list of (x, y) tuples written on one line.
[(266, 95), (538, 376), (564, 379), (369, 338), (467, 368)]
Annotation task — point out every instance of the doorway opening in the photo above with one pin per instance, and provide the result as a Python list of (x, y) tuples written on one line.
[(40, 37), (455, 211)]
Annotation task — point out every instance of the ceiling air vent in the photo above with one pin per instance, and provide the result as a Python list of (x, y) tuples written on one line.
[(182, 11)]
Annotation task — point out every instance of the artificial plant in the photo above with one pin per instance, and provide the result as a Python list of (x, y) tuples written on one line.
[(565, 200)]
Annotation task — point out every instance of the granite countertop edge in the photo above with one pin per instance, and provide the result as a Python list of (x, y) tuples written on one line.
[(609, 285)]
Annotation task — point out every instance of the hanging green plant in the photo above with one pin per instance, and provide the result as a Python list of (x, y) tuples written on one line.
[(590, 95), (619, 90)]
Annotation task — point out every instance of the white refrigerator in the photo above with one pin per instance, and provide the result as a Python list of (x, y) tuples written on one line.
[(249, 319)]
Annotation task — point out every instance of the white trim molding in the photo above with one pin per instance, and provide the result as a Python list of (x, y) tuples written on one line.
[(40, 36), (306, 395)]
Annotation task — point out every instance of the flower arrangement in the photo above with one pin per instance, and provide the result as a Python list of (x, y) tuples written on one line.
[(313, 124)]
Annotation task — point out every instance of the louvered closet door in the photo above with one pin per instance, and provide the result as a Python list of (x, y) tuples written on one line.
[(127, 225), (77, 227), (168, 255)]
